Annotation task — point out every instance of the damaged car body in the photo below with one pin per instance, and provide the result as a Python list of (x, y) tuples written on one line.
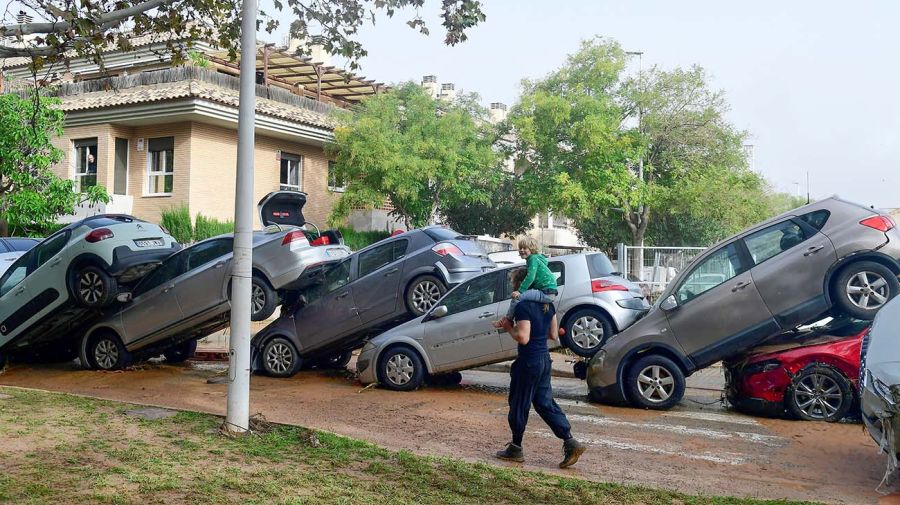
[(880, 383)]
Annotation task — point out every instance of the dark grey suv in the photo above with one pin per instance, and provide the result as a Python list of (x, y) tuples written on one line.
[(376, 288), (831, 256)]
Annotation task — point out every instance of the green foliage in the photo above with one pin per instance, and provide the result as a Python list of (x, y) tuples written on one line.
[(416, 152), (178, 221), (206, 227), (501, 214), (31, 195), (198, 59), (357, 240)]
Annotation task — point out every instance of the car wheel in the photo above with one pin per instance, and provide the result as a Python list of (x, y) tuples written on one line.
[(263, 299), (181, 352), (445, 379), (105, 351), (655, 382), (280, 358), (819, 393), (400, 368), (586, 331), (864, 287), (94, 288), (2, 361), (580, 369), (336, 361), (423, 294)]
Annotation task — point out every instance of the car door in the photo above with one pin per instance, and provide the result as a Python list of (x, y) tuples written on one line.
[(466, 332), (377, 283), (202, 285), (719, 310), (330, 312), (14, 297), (154, 307), (790, 262)]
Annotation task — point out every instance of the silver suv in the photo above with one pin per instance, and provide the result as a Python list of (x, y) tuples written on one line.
[(61, 283), (828, 256)]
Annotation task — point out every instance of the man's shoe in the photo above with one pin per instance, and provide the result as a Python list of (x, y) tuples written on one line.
[(572, 450), (512, 452)]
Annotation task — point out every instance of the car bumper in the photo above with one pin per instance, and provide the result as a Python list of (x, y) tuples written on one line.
[(365, 364), (755, 406), (455, 274), (129, 265), (602, 380)]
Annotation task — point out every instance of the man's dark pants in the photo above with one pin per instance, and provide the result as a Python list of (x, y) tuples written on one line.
[(530, 385)]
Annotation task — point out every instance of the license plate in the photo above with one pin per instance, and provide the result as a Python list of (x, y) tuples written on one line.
[(150, 242), (335, 253)]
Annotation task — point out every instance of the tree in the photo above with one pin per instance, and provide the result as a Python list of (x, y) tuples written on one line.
[(500, 214), (87, 28), (416, 152), (31, 196)]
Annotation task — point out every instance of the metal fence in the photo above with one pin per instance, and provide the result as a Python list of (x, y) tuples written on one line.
[(654, 267)]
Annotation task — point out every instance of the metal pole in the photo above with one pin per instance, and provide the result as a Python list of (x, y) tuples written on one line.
[(237, 418)]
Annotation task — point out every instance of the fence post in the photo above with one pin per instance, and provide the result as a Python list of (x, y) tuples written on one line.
[(621, 260)]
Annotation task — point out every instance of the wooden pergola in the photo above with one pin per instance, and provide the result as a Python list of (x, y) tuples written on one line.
[(304, 76)]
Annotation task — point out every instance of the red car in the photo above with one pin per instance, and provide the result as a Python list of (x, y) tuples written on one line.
[(811, 373)]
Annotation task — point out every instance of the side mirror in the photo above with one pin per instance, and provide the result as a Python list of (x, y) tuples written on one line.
[(670, 303), (437, 313), (124, 297)]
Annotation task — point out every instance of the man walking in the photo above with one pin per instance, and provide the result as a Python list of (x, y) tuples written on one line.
[(530, 379)]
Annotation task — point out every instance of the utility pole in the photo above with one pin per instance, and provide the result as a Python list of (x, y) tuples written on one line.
[(237, 418), (640, 244)]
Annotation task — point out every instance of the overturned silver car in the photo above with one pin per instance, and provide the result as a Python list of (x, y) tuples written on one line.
[(880, 382)]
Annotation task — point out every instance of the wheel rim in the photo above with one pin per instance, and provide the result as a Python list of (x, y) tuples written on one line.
[(656, 384), (425, 295), (257, 298), (868, 290), (587, 332), (400, 369), (90, 286), (106, 353), (280, 357), (818, 396)]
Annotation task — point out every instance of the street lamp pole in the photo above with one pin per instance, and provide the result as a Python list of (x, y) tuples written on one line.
[(237, 417)]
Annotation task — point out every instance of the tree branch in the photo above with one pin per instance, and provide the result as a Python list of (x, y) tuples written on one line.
[(103, 22)]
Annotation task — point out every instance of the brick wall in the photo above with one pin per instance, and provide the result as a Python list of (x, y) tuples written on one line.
[(150, 207)]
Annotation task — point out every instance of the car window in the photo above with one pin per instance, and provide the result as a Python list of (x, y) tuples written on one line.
[(166, 271), (559, 271), (715, 269), (599, 265), (773, 240), (3, 248), (49, 248), (335, 278), (14, 274), (380, 256), (816, 219), (475, 293), (208, 251), (22, 244), (439, 234)]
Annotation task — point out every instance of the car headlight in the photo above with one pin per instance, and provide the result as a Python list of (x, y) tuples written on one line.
[(883, 390)]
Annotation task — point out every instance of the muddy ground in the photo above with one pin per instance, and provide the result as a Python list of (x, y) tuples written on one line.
[(696, 448)]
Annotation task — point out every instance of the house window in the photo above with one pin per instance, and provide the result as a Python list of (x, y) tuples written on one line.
[(335, 182), (161, 165), (291, 171), (85, 164)]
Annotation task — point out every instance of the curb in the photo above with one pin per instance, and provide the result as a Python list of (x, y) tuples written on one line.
[(506, 365)]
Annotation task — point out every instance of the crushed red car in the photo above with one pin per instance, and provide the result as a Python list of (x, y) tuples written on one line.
[(810, 373)]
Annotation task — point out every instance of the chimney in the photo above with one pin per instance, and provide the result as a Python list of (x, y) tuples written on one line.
[(498, 112), (317, 51), (429, 82), (24, 18), (291, 44), (448, 91)]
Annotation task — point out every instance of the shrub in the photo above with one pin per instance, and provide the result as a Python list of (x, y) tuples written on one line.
[(178, 221), (206, 227), (357, 240)]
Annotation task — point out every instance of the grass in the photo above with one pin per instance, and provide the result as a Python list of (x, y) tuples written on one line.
[(58, 448)]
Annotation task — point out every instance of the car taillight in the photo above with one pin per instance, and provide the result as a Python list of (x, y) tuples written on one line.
[(600, 285), (444, 249), (99, 234), (323, 240), (293, 237), (880, 223)]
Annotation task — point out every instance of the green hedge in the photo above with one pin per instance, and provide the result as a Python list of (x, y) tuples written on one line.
[(357, 240), (206, 227), (178, 221)]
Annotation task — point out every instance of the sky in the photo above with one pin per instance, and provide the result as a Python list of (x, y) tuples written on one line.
[(815, 83)]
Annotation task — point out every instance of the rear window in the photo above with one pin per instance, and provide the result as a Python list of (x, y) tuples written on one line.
[(439, 234), (816, 219), (599, 265)]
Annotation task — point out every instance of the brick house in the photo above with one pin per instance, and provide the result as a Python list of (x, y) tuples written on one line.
[(157, 136)]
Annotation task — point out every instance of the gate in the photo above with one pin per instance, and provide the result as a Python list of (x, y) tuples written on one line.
[(654, 267)]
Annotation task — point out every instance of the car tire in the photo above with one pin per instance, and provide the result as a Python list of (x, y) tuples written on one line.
[(862, 288), (337, 361), (263, 299), (400, 368), (445, 379), (105, 351), (280, 358), (580, 369), (586, 332), (655, 382), (819, 393), (181, 352), (2, 361), (423, 294), (93, 287)]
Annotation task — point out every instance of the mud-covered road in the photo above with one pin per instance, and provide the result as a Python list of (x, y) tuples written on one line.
[(696, 448)]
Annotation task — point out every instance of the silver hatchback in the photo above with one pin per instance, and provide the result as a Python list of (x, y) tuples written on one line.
[(457, 334)]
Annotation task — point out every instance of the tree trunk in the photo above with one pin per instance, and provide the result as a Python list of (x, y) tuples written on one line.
[(4, 228), (637, 224)]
